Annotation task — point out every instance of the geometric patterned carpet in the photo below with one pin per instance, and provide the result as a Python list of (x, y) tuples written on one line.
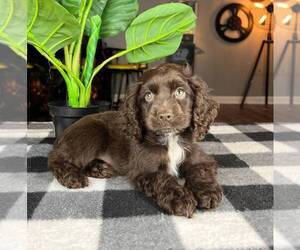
[(109, 214)]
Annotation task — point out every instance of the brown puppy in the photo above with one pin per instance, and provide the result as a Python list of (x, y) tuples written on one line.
[(151, 140)]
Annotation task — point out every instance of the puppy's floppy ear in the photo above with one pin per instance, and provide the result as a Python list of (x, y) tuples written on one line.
[(205, 109), (131, 110)]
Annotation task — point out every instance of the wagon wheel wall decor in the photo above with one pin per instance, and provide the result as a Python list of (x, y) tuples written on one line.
[(234, 23)]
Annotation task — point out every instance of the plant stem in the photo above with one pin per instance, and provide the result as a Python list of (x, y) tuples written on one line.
[(81, 10), (71, 53), (99, 67), (77, 50), (67, 57)]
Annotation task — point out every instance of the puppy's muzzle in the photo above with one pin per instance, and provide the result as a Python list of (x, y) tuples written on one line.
[(165, 117)]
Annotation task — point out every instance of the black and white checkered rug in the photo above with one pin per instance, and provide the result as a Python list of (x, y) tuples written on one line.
[(109, 214)]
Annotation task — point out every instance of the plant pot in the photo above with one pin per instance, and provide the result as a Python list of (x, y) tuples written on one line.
[(63, 116)]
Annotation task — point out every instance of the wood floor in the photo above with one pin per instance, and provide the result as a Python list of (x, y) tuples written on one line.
[(233, 114)]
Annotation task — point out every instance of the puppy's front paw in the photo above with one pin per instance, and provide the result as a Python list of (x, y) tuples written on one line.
[(100, 170), (183, 203), (74, 180), (208, 198)]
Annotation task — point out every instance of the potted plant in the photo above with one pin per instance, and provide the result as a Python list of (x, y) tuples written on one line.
[(53, 25)]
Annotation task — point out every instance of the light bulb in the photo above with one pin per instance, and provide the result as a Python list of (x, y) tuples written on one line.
[(282, 5), (287, 19), (263, 19), (259, 5)]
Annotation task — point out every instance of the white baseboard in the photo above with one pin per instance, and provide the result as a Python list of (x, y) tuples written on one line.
[(238, 99), (286, 100), (256, 99)]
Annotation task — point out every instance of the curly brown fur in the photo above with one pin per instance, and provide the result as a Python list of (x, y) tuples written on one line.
[(168, 194), (200, 171), (150, 140), (205, 109)]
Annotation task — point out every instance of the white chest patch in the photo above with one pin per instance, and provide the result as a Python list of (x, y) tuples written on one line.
[(176, 154)]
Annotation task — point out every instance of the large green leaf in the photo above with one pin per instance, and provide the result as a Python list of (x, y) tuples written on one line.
[(50, 26), (13, 25), (116, 15), (71, 5), (157, 32)]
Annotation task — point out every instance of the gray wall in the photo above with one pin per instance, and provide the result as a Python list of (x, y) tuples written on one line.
[(225, 66), (283, 76)]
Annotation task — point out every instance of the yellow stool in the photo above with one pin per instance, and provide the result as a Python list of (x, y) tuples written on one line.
[(125, 70)]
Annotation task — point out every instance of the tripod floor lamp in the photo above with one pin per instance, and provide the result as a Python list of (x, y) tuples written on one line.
[(269, 8), (295, 10)]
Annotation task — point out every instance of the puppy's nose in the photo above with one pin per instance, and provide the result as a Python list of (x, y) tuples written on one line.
[(165, 117)]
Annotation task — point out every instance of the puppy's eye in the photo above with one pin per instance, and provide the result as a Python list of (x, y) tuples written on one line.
[(149, 96), (180, 93)]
